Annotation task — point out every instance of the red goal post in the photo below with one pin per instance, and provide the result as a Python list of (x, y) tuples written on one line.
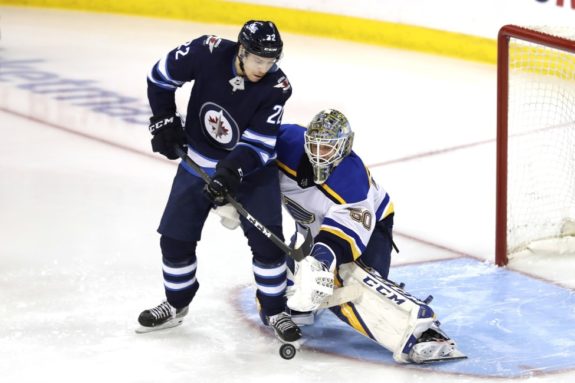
[(535, 192)]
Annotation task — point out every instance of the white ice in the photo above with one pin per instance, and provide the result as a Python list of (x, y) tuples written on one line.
[(79, 255)]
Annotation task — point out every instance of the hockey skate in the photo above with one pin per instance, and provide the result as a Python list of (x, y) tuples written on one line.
[(287, 332), (434, 346), (161, 317)]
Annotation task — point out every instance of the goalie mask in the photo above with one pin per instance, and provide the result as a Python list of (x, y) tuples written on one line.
[(328, 141)]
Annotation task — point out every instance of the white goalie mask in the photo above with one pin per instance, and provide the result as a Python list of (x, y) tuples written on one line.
[(328, 140)]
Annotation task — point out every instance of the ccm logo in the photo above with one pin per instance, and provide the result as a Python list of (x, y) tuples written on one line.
[(159, 124), (383, 290)]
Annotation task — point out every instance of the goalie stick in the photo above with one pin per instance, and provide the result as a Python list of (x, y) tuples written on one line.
[(342, 295), (295, 253)]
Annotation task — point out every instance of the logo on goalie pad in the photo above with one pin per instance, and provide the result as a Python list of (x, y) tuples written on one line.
[(383, 290), (398, 296)]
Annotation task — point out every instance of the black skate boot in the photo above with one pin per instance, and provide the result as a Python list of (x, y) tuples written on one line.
[(286, 330), (160, 317)]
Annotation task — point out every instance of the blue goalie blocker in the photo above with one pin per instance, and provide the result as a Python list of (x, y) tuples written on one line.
[(508, 324)]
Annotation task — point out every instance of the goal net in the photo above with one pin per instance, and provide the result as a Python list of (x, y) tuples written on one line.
[(535, 137)]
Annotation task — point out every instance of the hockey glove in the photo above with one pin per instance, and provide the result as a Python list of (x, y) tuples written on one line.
[(313, 284), (168, 132), (224, 181)]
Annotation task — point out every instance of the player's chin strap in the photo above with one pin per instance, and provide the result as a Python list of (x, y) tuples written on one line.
[(296, 253)]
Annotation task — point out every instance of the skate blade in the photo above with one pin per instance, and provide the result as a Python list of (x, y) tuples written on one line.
[(169, 324), (453, 356)]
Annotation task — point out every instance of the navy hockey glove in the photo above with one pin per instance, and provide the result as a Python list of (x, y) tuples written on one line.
[(167, 132), (224, 181)]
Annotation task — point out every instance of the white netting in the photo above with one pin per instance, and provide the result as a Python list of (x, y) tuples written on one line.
[(541, 146)]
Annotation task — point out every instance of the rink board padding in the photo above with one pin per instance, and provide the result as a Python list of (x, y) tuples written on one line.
[(509, 325)]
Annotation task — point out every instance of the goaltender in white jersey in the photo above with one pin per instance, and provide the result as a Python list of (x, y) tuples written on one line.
[(328, 190)]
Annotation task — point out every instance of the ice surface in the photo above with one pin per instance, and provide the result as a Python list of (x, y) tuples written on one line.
[(81, 195)]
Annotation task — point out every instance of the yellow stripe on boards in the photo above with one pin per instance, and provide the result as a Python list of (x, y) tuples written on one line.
[(341, 27)]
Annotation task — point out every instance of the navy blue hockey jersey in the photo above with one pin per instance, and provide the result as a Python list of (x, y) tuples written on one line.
[(227, 116)]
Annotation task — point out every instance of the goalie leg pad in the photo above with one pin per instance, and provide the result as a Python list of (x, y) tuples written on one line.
[(389, 315)]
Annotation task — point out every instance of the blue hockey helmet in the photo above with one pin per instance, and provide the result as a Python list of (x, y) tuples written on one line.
[(261, 38)]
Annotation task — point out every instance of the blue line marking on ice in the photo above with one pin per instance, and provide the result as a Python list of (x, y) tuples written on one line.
[(508, 324)]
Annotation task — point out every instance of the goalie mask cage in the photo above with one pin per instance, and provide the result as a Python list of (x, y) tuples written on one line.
[(535, 137)]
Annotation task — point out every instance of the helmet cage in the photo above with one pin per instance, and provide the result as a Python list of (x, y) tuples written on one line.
[(328, 140)]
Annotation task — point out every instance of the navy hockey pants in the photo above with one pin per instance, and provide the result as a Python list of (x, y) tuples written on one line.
[(377, 254), (181, 226)]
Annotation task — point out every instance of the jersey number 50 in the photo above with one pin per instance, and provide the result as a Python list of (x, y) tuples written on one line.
[(361, 216)]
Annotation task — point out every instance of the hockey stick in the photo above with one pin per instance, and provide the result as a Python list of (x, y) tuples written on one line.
[(342, 295), (295, 253)]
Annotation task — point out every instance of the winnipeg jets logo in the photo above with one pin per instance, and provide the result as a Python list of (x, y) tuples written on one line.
[(253, 27), (283, 84), (212, 42), (219, 127)]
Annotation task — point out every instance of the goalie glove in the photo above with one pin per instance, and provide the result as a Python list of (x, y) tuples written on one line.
[(313, 284)]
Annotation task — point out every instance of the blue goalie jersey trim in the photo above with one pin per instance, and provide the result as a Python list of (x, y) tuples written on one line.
[(350, 180), (328, 222), (290, 145)]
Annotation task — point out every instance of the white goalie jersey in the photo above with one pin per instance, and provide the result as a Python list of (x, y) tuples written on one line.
[(342, 214), (344, 209)]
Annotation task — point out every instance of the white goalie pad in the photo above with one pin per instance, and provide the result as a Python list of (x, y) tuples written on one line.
[(229, 216), (393, 317)]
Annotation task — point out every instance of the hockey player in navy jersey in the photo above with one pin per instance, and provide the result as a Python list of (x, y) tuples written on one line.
[(230, 130), (329, 191)]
